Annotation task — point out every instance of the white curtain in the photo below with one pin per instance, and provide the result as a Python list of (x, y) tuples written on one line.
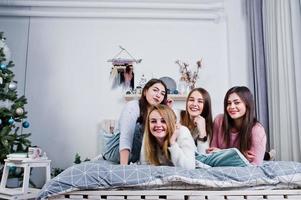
[(282, 37)]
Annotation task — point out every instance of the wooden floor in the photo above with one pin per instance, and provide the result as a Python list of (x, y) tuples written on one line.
[(184, 195)]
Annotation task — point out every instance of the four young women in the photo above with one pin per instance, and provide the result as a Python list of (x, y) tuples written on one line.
[(166, 142)]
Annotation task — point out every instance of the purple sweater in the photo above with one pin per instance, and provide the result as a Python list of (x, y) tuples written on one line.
[(258, 139)]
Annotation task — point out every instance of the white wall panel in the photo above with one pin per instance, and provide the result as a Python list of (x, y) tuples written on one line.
[(67, 78)]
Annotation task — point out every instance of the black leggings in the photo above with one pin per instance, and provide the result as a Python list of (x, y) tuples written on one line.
[(267, 156)]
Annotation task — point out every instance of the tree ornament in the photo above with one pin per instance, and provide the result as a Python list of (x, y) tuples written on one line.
[(3, 66), (25, 124), (11, 121), (12, 86), (1, 80), (0, 121), (19, 111)]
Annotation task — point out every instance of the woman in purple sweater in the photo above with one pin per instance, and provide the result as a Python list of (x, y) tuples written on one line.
[(238, 126)]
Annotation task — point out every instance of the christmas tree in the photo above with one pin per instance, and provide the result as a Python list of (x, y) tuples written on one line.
[(12, 112)]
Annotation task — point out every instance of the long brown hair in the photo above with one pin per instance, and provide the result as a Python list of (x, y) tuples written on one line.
[(249, 119), (143, 103), (206, 112), (150, 142)]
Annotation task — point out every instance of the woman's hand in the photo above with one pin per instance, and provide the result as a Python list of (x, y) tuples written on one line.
[(212, 149), (175, 134), (249, 155), (169, 102), (200, 122)]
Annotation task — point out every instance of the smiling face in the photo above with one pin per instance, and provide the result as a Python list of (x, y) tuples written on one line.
[(195, 104), (155, 94), (236, 108), (157, 125)]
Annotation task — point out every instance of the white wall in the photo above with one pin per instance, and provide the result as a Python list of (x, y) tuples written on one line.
[(67, 73)]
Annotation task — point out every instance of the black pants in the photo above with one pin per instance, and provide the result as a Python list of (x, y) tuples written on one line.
[(267, 156)]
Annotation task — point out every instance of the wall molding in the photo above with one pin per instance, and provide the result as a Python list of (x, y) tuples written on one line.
[(185, 10)]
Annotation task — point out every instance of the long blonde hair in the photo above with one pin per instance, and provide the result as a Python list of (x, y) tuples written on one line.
[(150, 142)]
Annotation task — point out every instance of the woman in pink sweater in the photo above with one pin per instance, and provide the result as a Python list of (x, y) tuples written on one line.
[(238, 126)]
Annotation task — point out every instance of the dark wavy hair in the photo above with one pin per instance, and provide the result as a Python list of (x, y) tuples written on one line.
[(206, 112), (249, 119), (143, 104)]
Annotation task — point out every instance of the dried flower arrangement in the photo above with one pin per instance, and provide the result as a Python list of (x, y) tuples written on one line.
[(187, 75)]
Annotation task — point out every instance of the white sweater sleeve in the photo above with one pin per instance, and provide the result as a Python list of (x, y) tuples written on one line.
[(183, 151), (127, 124), (202, 146)]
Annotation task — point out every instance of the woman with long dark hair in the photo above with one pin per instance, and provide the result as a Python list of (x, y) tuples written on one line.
[(124, 147), (197, 117), (238, 126)]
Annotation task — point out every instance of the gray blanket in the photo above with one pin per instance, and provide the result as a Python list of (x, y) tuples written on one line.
[(107, 176)]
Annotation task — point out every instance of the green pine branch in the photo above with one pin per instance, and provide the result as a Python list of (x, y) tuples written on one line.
[(11, 140)]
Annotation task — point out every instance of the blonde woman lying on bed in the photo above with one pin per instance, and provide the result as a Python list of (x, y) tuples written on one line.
[(168, 143), (165, 142)]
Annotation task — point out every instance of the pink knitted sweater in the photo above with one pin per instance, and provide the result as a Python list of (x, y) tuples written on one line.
[(258, 139)]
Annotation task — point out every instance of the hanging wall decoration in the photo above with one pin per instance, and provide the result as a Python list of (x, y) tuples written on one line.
[(122, 72)]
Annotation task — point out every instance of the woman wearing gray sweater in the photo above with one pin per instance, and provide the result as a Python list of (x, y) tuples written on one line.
[(124, 147)]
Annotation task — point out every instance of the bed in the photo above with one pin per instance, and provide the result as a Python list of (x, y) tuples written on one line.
[(101, 179)]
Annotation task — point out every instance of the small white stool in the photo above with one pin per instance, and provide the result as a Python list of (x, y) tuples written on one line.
[(25, 192)]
